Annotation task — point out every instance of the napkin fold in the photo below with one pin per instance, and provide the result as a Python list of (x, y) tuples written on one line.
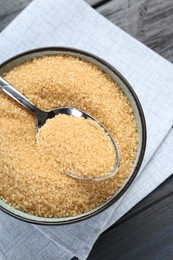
[(75, 24)]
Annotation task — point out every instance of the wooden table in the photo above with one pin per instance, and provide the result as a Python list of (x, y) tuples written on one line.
[(146, 231)]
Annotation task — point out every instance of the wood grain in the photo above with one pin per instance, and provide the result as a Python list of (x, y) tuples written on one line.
[(145, 232), (9, 9), (149, 21)]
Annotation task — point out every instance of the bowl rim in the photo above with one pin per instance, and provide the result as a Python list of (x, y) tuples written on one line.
[(143, 142)]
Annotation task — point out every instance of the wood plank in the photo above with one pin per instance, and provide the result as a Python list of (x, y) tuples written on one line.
[(92, 2), (9, 9), (146, 232), (149, 21)]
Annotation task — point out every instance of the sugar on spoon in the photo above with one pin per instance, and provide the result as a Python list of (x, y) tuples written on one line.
[(42, 116)]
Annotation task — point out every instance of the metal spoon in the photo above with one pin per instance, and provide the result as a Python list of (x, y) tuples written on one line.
[(42, 116)]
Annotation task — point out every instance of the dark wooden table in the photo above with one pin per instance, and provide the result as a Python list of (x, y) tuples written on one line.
[(146, 231)]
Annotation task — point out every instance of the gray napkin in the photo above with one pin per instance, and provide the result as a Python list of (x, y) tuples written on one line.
[(75, 24)]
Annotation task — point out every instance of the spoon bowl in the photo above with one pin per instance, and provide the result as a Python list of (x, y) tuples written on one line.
[(42, 117)]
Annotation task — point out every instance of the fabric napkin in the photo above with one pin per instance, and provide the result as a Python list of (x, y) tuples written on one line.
[(75, 24)]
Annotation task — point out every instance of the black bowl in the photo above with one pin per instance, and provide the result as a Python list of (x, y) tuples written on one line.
[(139, 116)]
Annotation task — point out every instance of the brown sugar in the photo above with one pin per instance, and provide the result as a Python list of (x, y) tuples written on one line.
[(76, 146), (37, 188)]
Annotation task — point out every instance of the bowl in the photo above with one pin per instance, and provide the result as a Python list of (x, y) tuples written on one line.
[(138, 113)]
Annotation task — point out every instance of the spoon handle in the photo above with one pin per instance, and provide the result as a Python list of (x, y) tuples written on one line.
[(15, 94)]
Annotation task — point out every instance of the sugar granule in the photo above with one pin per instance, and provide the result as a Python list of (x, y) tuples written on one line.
[(51, 82)]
